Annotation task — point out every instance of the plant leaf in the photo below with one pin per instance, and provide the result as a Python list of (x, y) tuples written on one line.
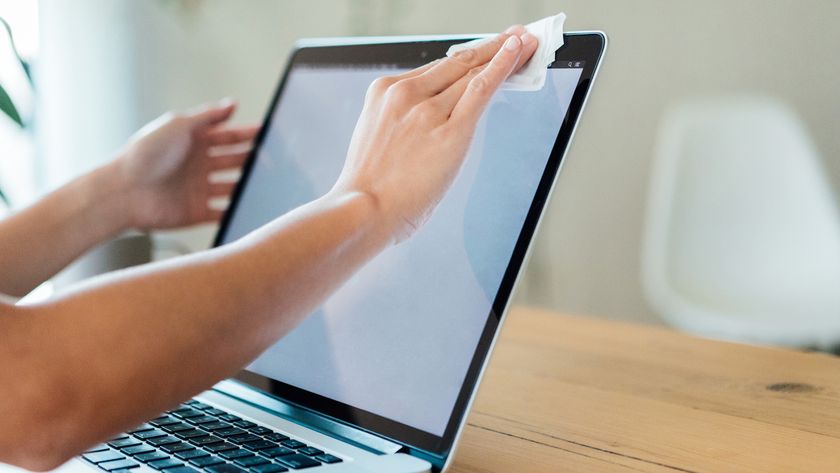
[(8, 107)]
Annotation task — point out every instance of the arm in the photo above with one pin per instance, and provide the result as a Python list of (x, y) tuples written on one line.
[(42, 239), (121, 348), (159, 180)]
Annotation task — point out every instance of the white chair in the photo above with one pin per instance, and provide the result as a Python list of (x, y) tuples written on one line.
[(742, 238)]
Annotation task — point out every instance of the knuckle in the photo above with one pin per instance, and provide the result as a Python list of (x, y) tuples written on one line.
[(465, 56), (479, 84), (425, 111), (178, 119), (380, 85), (402, 91)]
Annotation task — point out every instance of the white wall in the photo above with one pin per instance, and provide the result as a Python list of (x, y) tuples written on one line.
[(177, 53)]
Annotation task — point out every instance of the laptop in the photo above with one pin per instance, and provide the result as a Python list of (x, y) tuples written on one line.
[(381, 377)]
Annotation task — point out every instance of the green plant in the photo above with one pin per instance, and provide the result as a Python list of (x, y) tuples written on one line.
[(7, 105)]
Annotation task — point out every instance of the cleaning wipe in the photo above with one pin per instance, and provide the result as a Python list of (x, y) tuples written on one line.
[(549, 33)]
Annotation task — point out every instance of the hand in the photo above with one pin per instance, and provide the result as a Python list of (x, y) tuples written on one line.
[(165, 168), (415, 128)]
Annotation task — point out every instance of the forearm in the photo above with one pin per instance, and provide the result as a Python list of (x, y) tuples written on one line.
[(40, 240), (124, 347)]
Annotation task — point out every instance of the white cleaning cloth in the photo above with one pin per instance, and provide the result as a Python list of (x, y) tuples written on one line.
[(549, 33)]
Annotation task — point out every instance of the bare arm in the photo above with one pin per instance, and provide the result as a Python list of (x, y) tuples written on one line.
[(159, 180), (42, 239), (121, 348)]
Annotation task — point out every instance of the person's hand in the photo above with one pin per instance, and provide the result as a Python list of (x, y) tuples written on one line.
[(165, 168), (415, 128)]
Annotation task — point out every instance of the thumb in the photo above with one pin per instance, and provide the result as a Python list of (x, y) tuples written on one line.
[(209, 115)]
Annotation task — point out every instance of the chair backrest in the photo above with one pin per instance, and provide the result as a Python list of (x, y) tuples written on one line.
[(742, 238)]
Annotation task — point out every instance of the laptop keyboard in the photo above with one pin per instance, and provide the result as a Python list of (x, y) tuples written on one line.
[(199, 437)]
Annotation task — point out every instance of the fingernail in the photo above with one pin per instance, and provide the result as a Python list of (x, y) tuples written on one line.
[(513, 43), (513, 29)]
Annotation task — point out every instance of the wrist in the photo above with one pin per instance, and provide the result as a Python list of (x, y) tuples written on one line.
[(366, 213), (107, 198)]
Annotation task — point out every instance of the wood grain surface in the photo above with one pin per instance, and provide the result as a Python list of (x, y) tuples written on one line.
[(571, 394)]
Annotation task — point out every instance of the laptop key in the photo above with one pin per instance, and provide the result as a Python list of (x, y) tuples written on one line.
[(226, 468), (260, 430), (177, 447), (202, 441), (122, 443), (244, 438), (244, 424), (214, 412), (276, 437), (259, 445), (234, 454), (118, 465), (292, 443), (103, 456), (248, 462), (220, 447), (137, 450), (186, 413), (148, 434), (201, 420), (310, 451), (327, 458), (269, 468), (164, 420), (230, 418), (190, 434), (276, 452), (158, 441), (199, 405), (161, 464), (203, 462), (190, 454), (229, 432), (175, 428), (297, 461), (151, 456), (217, 425)]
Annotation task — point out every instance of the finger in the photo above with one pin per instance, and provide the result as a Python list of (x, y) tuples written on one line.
[(449, 70), (529, 47), (232, 136), (417, 71), (229, 160), (214, 215), (381, 84), (481, 88), (221, 189), (447, 99), (209, 115)]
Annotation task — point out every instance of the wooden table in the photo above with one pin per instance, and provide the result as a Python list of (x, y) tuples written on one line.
[(569, 394)]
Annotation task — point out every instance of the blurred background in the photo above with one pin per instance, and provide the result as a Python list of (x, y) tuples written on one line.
[(699, 192)]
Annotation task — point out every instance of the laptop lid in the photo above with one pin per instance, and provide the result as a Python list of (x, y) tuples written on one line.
[(398, 350)]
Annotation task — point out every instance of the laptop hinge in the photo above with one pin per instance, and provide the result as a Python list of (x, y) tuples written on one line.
[(307, 418)]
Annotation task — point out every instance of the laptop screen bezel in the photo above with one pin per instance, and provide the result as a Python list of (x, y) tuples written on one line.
[(586, 47)]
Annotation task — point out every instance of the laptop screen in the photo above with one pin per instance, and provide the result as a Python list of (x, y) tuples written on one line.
[(398, 339)]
